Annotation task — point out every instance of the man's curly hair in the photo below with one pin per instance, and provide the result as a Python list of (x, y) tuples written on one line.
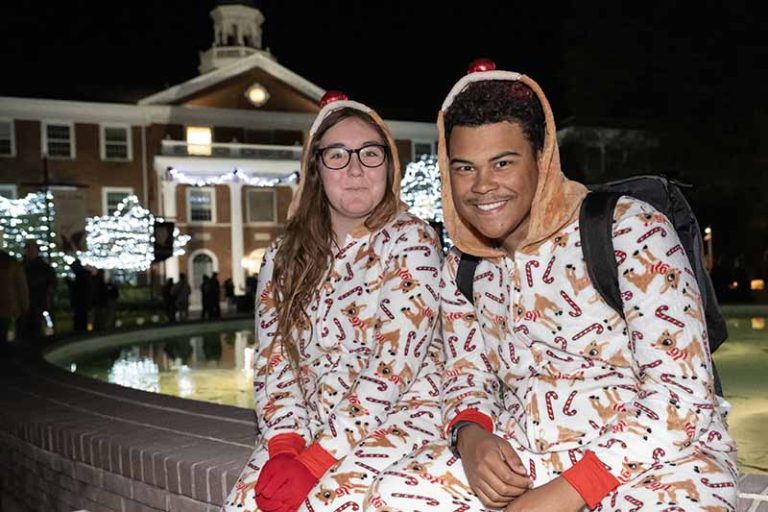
[(493, 101)]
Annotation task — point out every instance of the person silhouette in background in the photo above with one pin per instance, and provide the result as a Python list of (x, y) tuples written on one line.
[(182, 291), (13, 283), (41, 281)]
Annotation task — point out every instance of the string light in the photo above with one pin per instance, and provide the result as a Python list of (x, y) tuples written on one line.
[(235, 175), (420, 189), (27, 219), (125, 239)]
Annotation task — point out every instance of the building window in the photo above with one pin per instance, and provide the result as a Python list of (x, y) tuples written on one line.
[(199, 140), (8, 191), (59, 140), (262, 205), (422, 148), (115, 142), (111, 197), (201, 204), (7, 138)]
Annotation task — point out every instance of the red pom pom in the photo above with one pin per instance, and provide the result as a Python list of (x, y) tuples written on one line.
[(331, 96), (479, 65)]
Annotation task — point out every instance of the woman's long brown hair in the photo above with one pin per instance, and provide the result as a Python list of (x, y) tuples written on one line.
[(305, 254)]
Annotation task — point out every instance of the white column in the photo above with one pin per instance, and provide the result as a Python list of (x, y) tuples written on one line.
[(169, 212), (241, 345), (236, 222), (198, 355)]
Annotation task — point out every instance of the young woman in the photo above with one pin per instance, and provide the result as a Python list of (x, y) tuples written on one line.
[(347, 376)]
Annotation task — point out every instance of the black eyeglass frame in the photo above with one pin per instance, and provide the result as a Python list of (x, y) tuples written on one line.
[(350, 152)]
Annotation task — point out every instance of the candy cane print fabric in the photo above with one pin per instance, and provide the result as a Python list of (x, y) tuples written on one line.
[(369, 361), (569, 382)]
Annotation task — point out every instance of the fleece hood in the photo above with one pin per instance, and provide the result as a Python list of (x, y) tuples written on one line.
[(557, 199), (331, 102)]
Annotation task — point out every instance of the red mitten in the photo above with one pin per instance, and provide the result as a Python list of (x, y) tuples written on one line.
[(282, 449), (301, 474), (272, 478), (289, 496), (285, 443)]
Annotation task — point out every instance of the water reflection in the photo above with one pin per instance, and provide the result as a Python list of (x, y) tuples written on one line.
[(742, 362), (213, 367), (218, 368), (135, 373)]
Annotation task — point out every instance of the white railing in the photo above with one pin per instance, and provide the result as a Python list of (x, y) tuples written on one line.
[(231, 52), (232, 150)]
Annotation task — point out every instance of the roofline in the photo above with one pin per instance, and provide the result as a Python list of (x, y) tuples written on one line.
[(257, 60), (35, 109)]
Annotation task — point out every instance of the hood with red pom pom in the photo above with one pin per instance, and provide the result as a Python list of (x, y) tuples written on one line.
[(331, 102), (557, 199)]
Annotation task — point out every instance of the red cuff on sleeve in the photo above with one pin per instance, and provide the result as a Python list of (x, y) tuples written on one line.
[(474, 416), (590, 479), (316, 459), (285, 443)]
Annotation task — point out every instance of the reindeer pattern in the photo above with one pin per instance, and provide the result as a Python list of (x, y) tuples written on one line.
[(370, 362), (431, 478), (559, 372)]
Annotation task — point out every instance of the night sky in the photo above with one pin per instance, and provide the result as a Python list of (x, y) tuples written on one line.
[(692, 74), (693, 77), (631, 63)]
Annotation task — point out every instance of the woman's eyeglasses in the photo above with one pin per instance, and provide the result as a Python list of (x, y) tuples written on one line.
[(372, 155)]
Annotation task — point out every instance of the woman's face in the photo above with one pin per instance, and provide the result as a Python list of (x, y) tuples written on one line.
[(355, 189)]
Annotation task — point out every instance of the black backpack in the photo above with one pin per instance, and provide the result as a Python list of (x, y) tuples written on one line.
[(596, 226)]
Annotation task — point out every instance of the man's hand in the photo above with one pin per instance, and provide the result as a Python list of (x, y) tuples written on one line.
[(492, 466), (556, 495)]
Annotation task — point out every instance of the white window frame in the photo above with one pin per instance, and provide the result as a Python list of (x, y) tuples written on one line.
[(249, 222), (12, 124), (213, 206), (14, 189), (105, 192), (431, 144), (103, 141), (44, 135)]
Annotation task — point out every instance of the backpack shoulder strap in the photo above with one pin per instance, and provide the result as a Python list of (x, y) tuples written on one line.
[(596, 227), (465, 275)]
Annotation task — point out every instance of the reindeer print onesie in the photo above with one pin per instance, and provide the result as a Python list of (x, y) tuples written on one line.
[(623, 408), (369, 363)]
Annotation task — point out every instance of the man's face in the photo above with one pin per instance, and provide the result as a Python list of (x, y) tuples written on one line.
[(494, 172)]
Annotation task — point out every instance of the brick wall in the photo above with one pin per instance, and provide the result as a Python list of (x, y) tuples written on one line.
[(216, 238), (86, 171), (34, 479), (231, 94), (72, 443)]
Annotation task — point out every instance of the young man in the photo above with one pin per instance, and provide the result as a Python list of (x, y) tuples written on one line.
[(552, 401)]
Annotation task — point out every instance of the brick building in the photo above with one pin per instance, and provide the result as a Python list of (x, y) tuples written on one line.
[(197, 153)]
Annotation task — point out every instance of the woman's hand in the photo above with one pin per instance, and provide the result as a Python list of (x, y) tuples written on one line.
[(285, 486), (270, 482)]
